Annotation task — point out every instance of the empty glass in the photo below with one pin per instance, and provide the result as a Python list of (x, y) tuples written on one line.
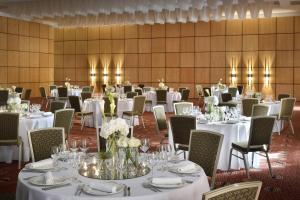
[(73, 146), (145, 145), (84, 145)]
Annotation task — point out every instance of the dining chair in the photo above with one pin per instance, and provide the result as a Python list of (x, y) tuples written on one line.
[(181, 127), (3, 97), (141, 86), (281, 96), (103, 86), (52, 87), (57, 105), (247, 106), (42, 140), (63, 118), (75, 104), (146, 89), (161, 96), (139, 91), (226, 97), (232, 91), (86, 89), (259, 141), (9, 132), (130, 95), (240, 89), (199, 90), (185, 95), (204, 150), (207, 91), (85, 95), (137, 110), (160, 120), (259, 110), (237, 191), (45, 97), (27, 94), (127, 88), (107, 111), (62, 93), (19, 90), (179, 108), (286, 113), (180, 89)]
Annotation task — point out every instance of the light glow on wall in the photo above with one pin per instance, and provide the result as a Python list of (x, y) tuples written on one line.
[(233, 72), (267, 74), (250, 74)]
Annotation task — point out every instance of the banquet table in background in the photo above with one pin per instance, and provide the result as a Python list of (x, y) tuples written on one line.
[(9, 153), (71, 92), (171, 96), (193, 191), (95, 105)]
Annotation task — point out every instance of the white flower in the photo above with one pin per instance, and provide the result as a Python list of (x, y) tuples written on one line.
[(161, 85), (212, 100), (122, 142), (114, 126), (134, 142), (109, 89)]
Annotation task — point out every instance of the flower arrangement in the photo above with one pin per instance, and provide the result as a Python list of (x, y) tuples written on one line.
[(109, 89), (130, 147), (14, 100), (220, 85), (127, 83), (115, 128), (67, 83)]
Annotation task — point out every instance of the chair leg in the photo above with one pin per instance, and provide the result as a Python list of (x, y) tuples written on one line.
[(269, 164), (252, 161), (246, 166), (291, 126), (278, 127), (20, 154), (230, 156), (82, 122), (143, 121)]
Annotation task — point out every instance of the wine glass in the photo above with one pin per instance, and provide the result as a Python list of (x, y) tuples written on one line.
[(73, 146), (55, 154), (145, 145), (83, 145), (152, 160)]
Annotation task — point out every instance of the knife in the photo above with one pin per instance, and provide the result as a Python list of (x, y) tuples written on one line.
[(56, 186)]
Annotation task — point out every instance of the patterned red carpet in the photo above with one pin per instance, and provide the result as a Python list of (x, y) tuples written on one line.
[(285, 161)]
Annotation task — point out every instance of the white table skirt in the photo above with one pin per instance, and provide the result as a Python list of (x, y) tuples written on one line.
[(9, 153), (171, 96), (194, 191), (95, 105), (232, 133), (71, 92)]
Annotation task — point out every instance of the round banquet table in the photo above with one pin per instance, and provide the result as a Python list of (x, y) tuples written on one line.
[(232, 133), (71, 92), (171, 96), (9, 153), (96, 105), (193, 191)]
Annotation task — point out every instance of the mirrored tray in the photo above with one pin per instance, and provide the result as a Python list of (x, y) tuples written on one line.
[(96, 171)]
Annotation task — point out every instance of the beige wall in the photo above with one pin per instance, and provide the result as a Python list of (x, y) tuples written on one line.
[(184, 54), (26, 54)]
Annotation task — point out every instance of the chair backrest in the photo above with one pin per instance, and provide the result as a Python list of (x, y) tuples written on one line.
[(52, 87), (260, 110), (286, 108), (237, 191), (147, 89), (141, 85), (199, 90), (130, 95), (181, 127), (139, 104), (232, 91), (27, 94), (185, 95), (42, 92), (247, 106), (204, 150), (85, 95), (3, 97), (103, 87), (161, 95), (180, 89), (62, 92), (19, 89), (240, 89), (86, 89), (261, 129), (181, 106), (160, 118), (281, 96), (139, 91), (207, 91), (41, 141), (127, 88), (9, 126), (226, 97), (57, 105), (63, 118), (75, 103), (107, 105)]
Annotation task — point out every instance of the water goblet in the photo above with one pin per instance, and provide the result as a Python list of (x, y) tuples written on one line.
[(84, 145), (73, 146), (145, 145), (55, 154), (152, 160)]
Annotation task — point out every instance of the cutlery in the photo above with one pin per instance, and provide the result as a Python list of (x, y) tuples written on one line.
[(154, 189), (27, 178), (55, 186), (125, 190), (128, 191)]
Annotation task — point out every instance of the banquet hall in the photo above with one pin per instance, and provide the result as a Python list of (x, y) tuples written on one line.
[(149, 99)]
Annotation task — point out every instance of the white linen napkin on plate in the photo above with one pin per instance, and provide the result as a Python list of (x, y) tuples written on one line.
[(186, 168), (104, 186), (49, 178), (41, 163), (167, 180), (47, 114)]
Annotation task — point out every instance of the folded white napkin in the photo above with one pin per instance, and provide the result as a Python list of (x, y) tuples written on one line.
[(47, 113), (49, 178), (104, 186), (167, 181), (186, 168), (41, 163)]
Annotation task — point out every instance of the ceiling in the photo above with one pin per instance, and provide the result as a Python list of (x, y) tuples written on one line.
[(81, 13)]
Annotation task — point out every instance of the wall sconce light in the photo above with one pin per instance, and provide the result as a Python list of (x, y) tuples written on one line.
[(250, 74), (105, 75), (93, 74), (233, 74), (118, 75), (267, 74)]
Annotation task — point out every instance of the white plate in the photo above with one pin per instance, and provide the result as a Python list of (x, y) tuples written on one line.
[(168, 186), (44, 167), (40, 181), (193, 171), (201, 121), (92, 191), (46, 114)]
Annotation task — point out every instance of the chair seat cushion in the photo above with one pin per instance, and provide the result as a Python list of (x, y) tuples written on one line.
[(18, 141), (148, 101), (242, 147), (130, 113), (183, 147), (84, 113), (161, 102), (109, 114)]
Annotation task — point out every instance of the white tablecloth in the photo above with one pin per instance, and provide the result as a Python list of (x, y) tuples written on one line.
[(194, 191), (232, 133), (9, 153), (95, 105), (71, 92), (171, 96)]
